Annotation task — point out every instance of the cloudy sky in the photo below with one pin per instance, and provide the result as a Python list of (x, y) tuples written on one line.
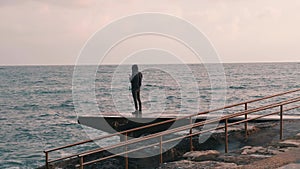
[(54, 31)]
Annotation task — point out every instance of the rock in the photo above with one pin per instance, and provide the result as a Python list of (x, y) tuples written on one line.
[(265, 125), (290, 166), (251, 150), (216, 165), (222, 165), (272, 151), (259, 150), (246, 147), (201, 155), (289, 143), (177, 164), (244, 153), (185, 164), (240, 159), (260, 156)]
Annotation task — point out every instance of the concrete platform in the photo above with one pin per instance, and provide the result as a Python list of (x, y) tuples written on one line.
[(114, 122)]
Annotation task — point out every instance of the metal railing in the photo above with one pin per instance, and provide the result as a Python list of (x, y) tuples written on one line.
[(181, 128)]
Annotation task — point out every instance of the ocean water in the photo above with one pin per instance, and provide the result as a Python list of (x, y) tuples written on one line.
[(37, 111)]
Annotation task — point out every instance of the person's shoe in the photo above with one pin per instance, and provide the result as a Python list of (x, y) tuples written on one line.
[(135, 112)]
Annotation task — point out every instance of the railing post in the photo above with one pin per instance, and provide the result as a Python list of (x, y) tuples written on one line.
[(191, 138), (46, 159), (246, 123), (226, 135), (281, 122), (126, 155), (81, 162), (160, 150)]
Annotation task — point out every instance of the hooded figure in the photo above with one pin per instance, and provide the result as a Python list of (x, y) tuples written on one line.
[(136, 82)]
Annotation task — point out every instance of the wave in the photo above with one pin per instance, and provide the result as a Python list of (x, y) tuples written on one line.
[(3, 119), (26, 107), (19, 108), (150, 85), (49, 90), (53, 91), (37, 82), (257, 96), (65, 105), (9, 163), (211, 88), (237, 87)]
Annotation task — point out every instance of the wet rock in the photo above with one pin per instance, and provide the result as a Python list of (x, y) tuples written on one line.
[(222, 165), (216, 165), (186, 164), (201, 155), (178, 164), (259, 151), (290, 166), (252, 150), (239, 159), (246, 147), (265, 125), (289, 143), (272, 150), (260, 155)]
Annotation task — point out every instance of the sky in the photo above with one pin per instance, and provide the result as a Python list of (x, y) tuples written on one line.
[(53, 32)]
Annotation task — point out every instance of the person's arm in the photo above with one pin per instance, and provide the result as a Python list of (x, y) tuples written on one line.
[(131, 78), (140, 79)]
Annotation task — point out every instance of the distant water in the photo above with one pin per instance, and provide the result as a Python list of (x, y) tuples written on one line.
[(37, 111)]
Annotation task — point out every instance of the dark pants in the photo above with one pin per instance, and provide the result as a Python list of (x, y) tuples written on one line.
[(136, 97)]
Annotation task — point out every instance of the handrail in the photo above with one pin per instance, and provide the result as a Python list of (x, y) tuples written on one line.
[(193, 125), (160, 134), (155, 124), (179, 138), (171, 120)]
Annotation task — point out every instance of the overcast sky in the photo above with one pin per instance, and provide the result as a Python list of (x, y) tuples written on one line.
[(54, 31)]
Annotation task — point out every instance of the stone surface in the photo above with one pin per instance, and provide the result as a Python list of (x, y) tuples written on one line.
[(285, 154), (290, 166), (238, 159), (251, 150), (217, 165), (276, 161), (201, 155), (281, 156), (260, 155), (289, 143), (246, 147), (186, 164)]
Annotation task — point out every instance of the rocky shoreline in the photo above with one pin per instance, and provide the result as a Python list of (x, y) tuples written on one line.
[(262, 144), (246, 157), (274, 154)]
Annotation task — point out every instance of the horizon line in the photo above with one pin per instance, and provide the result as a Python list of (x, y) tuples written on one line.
[(113, 64)]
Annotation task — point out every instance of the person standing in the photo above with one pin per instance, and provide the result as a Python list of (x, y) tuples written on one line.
[(136, 82)]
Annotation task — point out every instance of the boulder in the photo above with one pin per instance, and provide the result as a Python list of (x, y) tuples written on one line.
[(201, 155), (251, 150), (246, 147), (185, 164), (289, 143)]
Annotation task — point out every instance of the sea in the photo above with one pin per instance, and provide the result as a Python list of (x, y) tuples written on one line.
[(38, 110)]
